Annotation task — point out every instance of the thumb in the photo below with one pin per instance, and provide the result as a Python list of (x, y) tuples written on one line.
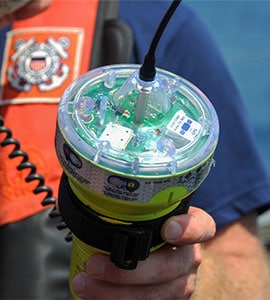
[(197, 226)]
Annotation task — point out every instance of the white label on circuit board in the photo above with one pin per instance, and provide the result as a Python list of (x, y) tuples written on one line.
[(118, 136), (183, 126)]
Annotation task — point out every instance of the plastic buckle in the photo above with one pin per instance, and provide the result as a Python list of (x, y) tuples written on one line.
[(130, 246)]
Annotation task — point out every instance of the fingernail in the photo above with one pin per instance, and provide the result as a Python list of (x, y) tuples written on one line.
[(173, 231), (95, 266), (79, 282)]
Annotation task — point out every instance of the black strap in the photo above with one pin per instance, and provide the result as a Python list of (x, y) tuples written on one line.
[(113, 39), (127, 244)]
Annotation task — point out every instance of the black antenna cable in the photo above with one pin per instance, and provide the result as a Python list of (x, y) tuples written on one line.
[(148, 69)]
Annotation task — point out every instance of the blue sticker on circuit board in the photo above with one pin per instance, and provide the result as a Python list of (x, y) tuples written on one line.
[(183, 126)]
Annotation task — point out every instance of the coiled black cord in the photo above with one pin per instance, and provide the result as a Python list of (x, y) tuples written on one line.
[(33, 175)]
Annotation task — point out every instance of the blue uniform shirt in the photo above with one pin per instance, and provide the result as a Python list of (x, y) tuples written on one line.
[(238, 183)]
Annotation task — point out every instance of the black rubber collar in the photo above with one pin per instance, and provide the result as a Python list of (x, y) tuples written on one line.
[(127, 244)]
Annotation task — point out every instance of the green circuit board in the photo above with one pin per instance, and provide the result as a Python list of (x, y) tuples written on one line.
[(102, 119)]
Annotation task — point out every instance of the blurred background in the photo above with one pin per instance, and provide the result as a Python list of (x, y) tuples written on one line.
[(241, 29)]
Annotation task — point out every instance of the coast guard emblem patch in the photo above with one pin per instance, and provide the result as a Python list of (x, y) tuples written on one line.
[(39, 64)]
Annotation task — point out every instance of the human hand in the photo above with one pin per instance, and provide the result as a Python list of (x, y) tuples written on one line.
[(169, 273), (11, 11)]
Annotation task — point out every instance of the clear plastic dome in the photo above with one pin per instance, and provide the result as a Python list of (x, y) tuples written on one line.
[(150, 129)]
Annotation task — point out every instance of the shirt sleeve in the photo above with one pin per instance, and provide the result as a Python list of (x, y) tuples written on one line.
[(239, 182)]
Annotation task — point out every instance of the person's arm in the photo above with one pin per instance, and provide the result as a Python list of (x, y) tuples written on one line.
[(235, 264)]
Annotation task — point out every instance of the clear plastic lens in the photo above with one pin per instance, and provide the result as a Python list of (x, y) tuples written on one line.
[(113, 119)]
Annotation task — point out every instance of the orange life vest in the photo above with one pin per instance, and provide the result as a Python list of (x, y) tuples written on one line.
[(43, 54)]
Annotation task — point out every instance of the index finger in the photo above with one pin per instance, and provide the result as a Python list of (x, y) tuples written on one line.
[(163, 265)]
